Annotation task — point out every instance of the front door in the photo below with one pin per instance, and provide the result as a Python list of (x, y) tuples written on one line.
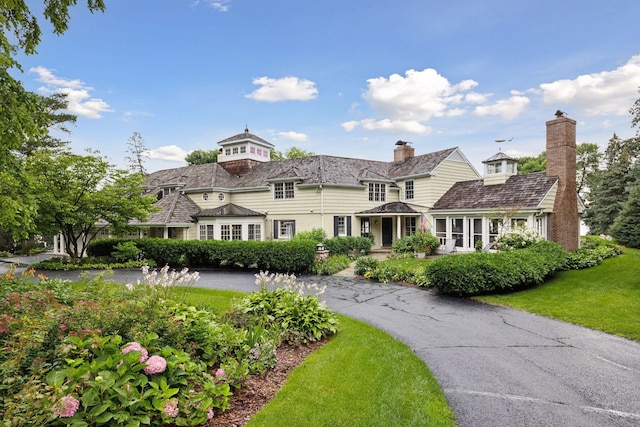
[(387, 231)]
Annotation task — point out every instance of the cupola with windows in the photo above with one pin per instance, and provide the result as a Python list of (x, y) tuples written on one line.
[(244, 146), (498, 168)]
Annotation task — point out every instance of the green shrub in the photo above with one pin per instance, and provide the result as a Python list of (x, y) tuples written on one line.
[(364, 264), (67, 350), (479, 273), (417, 242), (291, 256), (317, 235), (519, 238), (291, 307), (332, 265), (348, 245), (126, 251), (593, 250)]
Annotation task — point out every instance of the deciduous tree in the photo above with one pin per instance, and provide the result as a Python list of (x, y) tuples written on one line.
[(199, 157), (80, 195)]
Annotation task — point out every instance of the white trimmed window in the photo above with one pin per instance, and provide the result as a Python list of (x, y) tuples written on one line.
[(225, 232), (408, 190), (409, 225), (255, 232), (206, 232), (377, 192), (283, 190)]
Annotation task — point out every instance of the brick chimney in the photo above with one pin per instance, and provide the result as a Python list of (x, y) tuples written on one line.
[(403, 151), (564, 223)]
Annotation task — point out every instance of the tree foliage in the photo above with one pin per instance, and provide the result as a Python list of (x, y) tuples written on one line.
[(530, 164), (200, 157), (24, 116), (80, 195), (626, 227), (137, 148), (611, 185), (291, 153)]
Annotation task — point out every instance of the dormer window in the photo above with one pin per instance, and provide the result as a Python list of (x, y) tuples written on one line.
[(283, 190)]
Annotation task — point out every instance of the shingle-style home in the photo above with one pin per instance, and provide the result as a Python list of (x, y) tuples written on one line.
[(246, 196)]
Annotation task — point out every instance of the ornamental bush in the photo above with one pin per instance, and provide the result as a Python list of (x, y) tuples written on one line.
[(593, 250), (296, 255), (417, 242), (481, 273), (97, 353), (348, 245)]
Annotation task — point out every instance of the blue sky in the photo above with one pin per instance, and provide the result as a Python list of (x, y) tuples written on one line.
[(345, 78)]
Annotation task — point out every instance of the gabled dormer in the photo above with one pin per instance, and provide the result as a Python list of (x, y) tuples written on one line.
[(498, 168)]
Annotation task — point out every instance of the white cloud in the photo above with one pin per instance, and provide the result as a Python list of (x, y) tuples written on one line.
[(506, 108), (603, 93), (294, 136), (418, 96), (128, 115), (219, 5), (285, 89), (171, 153), (387, 125), (78, 94)]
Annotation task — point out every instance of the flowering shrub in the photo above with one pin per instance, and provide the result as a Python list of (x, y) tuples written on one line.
[(518, 238), (105, 354), (293, 309)]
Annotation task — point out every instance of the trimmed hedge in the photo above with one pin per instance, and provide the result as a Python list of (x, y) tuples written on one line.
[(481, 273), (292, 256), (348, 245)]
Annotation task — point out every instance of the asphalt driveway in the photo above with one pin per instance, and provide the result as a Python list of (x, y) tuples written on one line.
[(497, 366)]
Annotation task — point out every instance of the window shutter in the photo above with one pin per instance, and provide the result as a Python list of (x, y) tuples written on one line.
[(276, 228), (348, 226), (293, 228), (335, 226)]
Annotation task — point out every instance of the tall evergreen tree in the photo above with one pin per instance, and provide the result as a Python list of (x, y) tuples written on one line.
[(626, 228), (611, 186)]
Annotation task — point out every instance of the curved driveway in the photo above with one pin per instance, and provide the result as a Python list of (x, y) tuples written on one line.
[(497, 366)]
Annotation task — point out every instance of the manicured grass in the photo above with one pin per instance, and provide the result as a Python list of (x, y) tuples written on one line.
[(362, 377), (605, 297)]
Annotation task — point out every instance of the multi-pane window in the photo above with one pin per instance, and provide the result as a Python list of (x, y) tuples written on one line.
[(408, 190), (235, 150), (457, 231), (225, 232), (365, 227), (341, 226), (286, 229), (283, 190), (206, 232), (409, 225), (255, 232), (377, 192), (494, 229), (236, 232), (441, 229)]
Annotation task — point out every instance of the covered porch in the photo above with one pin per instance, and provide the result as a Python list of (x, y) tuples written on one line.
[(391, 221)]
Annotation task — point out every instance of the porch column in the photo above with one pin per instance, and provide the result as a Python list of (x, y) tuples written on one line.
[(398, 227)]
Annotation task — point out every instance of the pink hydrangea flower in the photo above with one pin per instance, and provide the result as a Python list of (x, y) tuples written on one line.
[(66, 407), (171, 408), (135, 346), (210, 413), (219, 372), (155, 365)]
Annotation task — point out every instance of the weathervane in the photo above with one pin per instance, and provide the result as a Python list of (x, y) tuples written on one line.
[(500, 141)]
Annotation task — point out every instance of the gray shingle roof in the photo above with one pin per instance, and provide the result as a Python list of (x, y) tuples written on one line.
[(176, 208), (228, 210), (319, 169), (519, 191), (392, 207)]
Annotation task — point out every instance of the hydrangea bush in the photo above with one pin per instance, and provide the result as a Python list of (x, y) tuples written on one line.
[(105, 354)]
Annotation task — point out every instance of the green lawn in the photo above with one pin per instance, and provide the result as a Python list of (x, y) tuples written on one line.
[(605, 297), (362, 377)]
